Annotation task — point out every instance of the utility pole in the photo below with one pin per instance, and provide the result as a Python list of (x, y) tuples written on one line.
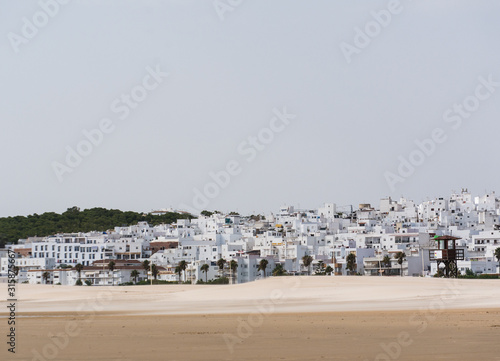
[(422, 255)]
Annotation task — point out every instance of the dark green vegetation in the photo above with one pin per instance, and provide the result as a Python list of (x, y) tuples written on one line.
[(217, 281), (155, 282), (470, 274), (74, 220)]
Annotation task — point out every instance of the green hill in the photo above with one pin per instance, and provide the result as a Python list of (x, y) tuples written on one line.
[(74, 220)]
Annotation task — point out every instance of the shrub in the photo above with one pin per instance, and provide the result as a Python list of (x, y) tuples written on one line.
[(219, 281), (469, 272), (439, 273), (79, 282), (88, 282), (156, 282), (489, 276)]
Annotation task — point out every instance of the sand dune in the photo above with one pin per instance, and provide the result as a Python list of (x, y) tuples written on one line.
[(295, 318), (287, 294)]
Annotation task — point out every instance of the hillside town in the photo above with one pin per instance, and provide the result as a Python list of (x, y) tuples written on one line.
[(392, 239)]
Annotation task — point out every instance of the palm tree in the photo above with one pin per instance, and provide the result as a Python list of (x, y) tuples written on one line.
[(400, 256), (386, 262), (497, 255), (155, 271), (351, 262), (178, 271), (328, 270), (45, 276), (321, 266), (111, 267), (233, 265), (16, 270), (183, 265), (278, 270), (262, 266), (145, 265), (134, 274), (79, 268), (221, 262), (307, 260), (204, 268)]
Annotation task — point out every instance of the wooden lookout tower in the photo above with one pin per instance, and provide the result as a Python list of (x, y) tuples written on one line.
[(447, 254)]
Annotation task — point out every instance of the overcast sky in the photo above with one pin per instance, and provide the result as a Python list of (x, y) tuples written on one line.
[(355, 103)]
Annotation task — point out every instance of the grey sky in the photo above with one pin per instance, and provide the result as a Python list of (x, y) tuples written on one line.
[(352, 121)]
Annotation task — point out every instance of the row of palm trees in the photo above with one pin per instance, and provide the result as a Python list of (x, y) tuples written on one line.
[(221, 263), (386, 261), (233, 265)]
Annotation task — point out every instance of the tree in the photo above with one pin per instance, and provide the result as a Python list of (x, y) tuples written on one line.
[(497, 255), (233, 265), (134, 274), (111, 267), (278, 270), (16, 270), (75, 220), (155, 271), (400, 256), (386, 262), (45, 276), (206, 213), (79, 268), (351, 262), (307, 260), (204, 268), (145, 265), (221, 262), (183, 265), (329, 270), (321, 268), (178, 271), (262, 266)]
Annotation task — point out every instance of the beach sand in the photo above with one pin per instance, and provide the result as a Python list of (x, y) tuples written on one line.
[(296, 318)]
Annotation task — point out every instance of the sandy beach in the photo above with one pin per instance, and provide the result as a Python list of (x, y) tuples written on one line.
[(287, 318)]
